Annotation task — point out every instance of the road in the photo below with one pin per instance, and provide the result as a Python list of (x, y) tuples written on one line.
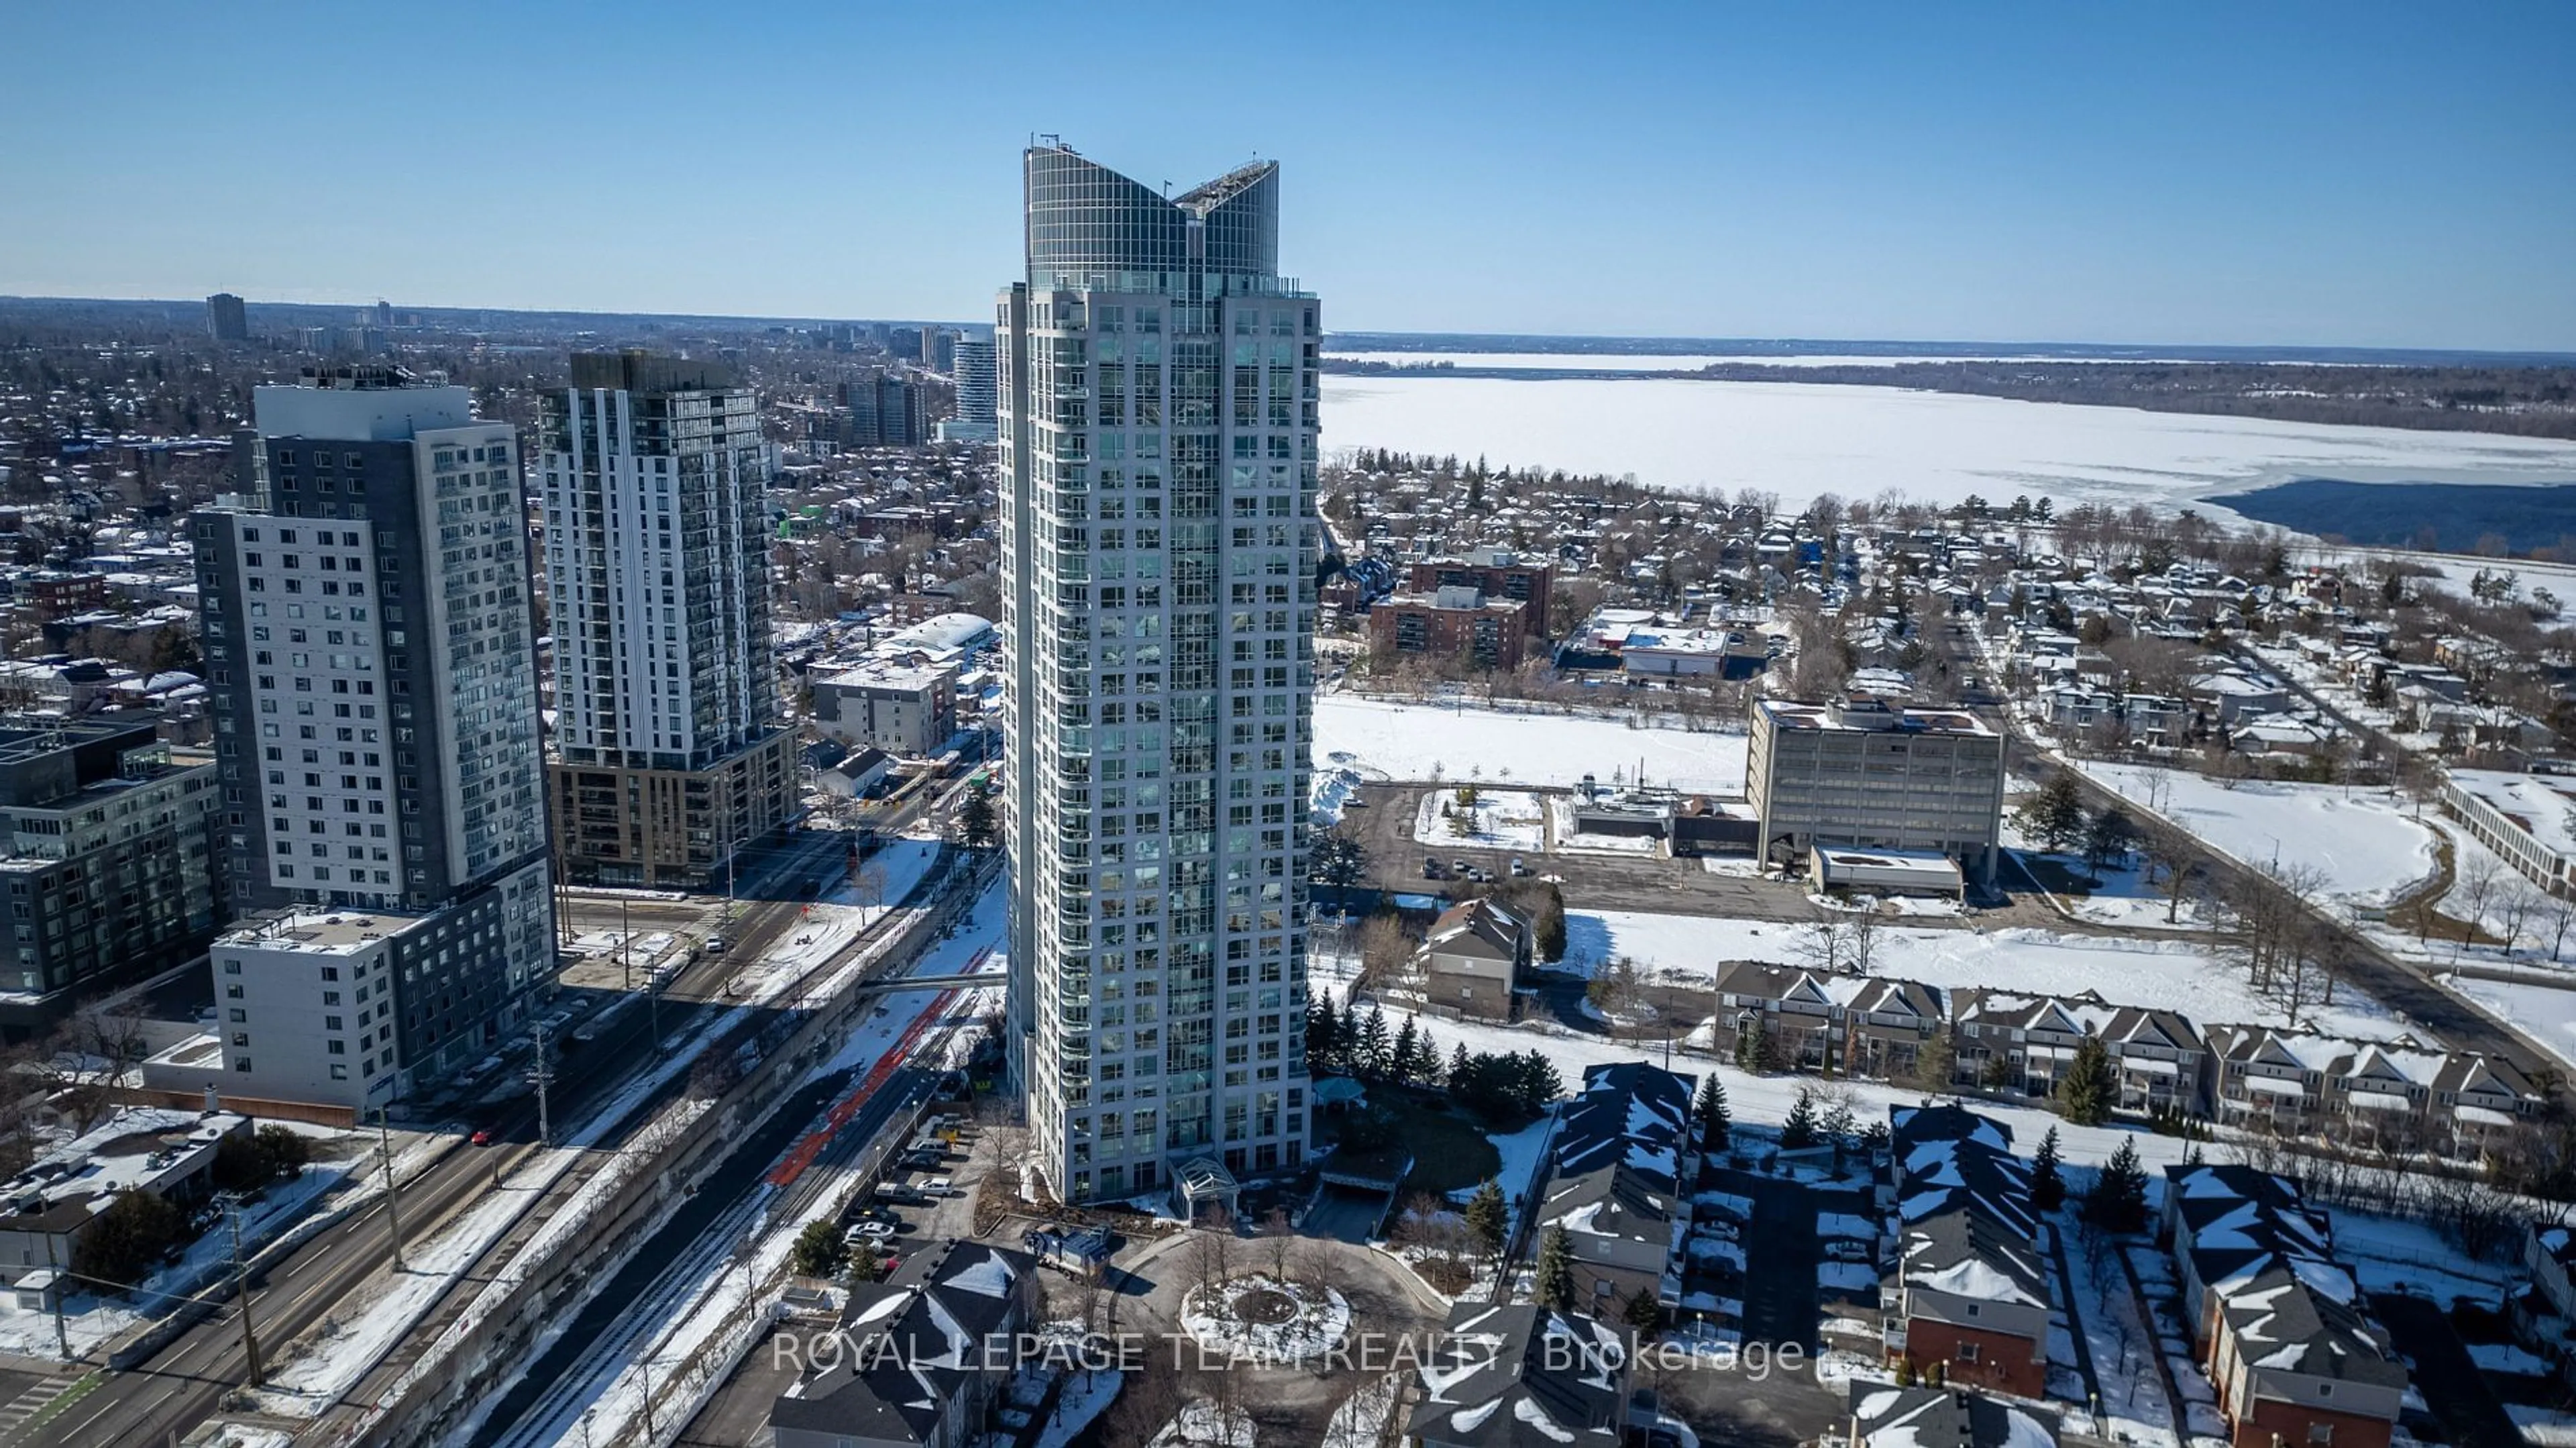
[(181, 1385), (730, 1210), (2403, 988)]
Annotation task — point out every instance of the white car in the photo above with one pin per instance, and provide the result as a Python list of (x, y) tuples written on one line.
[(871, 1231), (941, 1187)]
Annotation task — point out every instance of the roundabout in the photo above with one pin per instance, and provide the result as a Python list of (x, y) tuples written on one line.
[(1261, 1318)]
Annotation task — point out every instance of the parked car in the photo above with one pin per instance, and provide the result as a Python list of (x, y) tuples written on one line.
[(1461, 866), (1520, 867), (718, 945), (1430, 871), (870, 1232), (1846, 1250)]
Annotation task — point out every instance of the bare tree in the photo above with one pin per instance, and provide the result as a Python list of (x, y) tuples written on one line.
[(1821, 938), (2516, 904), (2479, 879), (1864, 929), (2558, 915), (2174, 857), (1277, 1236), (1148, 1400)]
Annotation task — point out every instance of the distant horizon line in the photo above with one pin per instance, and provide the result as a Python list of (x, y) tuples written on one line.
[(1435, 341)]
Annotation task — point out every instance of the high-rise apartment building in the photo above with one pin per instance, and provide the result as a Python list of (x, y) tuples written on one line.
[(370, 655), (938, 350), (1158, 434), (669, 755), (977, 394), (225, 320)]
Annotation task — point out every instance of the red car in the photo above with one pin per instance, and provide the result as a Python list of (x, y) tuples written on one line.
[(481, 1138)]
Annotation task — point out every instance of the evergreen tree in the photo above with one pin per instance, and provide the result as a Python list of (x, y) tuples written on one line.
[(2055, 815), (1800, 1129), (975, 819), (2047, 1187), (2119, 1198), (1399, 1065), (1753, 1046), (819, 1250), (1839, 1125), (1714, 1122), (1370, 1059), (1643, 1312), (1555, 1284), (1426, 1060), (2086, 1093), (1458, 1069), (1323, 1036), (1488, 1217), (1937, 1062), (2108, 838), (1539, 1082)]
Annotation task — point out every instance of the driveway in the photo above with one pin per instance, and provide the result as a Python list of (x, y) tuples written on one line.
[(2452, 1385)]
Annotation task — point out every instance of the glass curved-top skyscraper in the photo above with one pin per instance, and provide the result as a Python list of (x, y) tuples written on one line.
[(1158, 458)]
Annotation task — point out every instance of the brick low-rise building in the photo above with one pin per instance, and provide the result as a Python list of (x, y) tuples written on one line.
[(1454, 624)]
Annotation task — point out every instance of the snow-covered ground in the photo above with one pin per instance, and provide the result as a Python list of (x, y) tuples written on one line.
[(2391, 1255), (2544, 1012), (2133, 1403), (1801, 440), (2366, 843), (1386, 740), (1500, 819), (2166, 974)]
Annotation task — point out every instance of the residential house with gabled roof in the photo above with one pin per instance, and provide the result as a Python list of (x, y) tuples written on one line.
[(1797, 1011), (1971, 1290), (2019, 1042), (1624, 1229), (1522, 1376), (2544, 1311), (926, 1351), (1886, 1417), (1887, 1026), (2279, 1323), (1472, 958)]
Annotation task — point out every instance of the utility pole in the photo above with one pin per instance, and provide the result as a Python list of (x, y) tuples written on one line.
[(62, 1330), (241, 1289), (544, 1077), (650, 1431), (625, 944), (393, 1201)]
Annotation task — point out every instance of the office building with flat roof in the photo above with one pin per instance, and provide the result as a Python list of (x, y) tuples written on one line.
[(1864, 771)]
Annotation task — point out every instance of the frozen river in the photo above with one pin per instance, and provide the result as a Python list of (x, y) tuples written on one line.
[(1800, 440)]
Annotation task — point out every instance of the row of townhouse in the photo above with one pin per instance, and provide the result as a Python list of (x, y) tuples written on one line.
[(2281, 1326), (1970, 1290), (1620, 1168), (2019, 1044)]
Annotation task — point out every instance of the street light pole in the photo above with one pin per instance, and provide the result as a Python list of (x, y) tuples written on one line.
[(241, 1289), (625, 944), (545, 1077), (393, 1201)]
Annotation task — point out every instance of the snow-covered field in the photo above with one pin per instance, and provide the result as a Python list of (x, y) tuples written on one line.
[(1419, 741), (1500, 819), (1665, 361), (2165, 974), (1800, 440), (2366, 842), (2540, 1010)]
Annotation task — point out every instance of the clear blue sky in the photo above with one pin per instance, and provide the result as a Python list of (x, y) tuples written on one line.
[(2344, 173)]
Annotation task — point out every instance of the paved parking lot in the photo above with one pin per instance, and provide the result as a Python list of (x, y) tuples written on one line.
[(1383, 818)]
